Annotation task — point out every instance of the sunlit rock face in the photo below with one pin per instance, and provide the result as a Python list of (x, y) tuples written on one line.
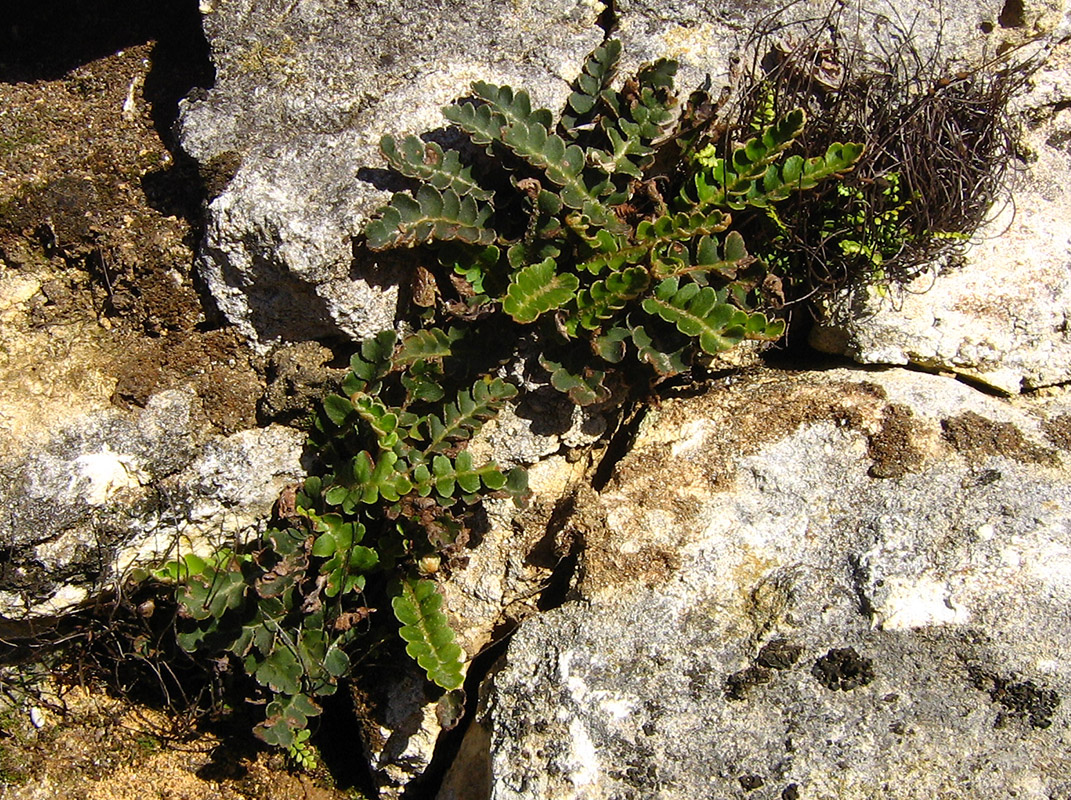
[(806, 583)]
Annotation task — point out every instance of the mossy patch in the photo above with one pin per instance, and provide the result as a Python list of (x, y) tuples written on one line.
[(972, 434)]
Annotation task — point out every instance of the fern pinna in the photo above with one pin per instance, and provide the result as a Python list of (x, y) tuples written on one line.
[(598, 239)]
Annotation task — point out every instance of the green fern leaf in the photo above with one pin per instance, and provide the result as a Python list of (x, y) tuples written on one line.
[(467, 414), (213, 592), (475, 265), (651, 114), (537, 289), (594, 80), (432, 214), (723, 181), (611, 346), (709, 258), (697, 312), (607, 297), (279, 670), (584, 387), (286, 717), (800, 174), (445, 476), (423, 381), (658, 75), (662, 356), (513, 106), (429, 639), (365, 481), (761, 328), (485, 122), (629, 154), (382, 420), (482, 123), (370, 364), (427, 162), (681, 227), (427, 344)]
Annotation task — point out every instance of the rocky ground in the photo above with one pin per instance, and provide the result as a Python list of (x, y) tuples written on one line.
[(840, 581), (100, 309)]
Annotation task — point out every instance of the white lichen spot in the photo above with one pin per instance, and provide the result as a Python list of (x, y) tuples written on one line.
[(1050, 561), (693, 438), (65, 598), (917, 603), (617, 707), (1011, 557), (98, 476), (583, 758)]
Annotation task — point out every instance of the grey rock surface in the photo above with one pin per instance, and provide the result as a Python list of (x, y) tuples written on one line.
[(113, 491), (710, 38), (1002, 316), (303, 93), (824, 585)]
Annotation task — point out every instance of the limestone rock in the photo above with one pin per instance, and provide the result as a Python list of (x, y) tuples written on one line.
[(303, 93), (834, 584), (113, 491), (709, 37)]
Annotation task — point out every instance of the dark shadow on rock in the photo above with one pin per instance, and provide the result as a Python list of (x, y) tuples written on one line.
[(549, 412), (180, 63), (385, 179), (281, 305), (44, 40), (176, 191)]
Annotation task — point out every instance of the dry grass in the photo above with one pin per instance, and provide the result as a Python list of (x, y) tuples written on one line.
[(943, 135)]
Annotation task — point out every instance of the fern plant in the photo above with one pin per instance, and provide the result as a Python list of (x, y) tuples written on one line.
[(624, 254), (597, 239), (397, 488)]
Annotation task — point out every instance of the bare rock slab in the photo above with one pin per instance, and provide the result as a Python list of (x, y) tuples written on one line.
[(113, 491), (833, 585)]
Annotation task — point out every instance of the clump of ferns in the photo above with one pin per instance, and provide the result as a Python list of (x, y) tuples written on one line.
[(605, 239), (613, 244), (940, 145)]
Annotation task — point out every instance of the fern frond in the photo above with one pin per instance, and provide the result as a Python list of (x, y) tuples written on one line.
[(723, 181), (709, 258), (611, 345), (595, 77), (513, 106), (698, 312), (584, 388), (364, 481), (428, 162), (661, 355), (445, 476), (427, 344), (607, 297), (462, 418), (628, 154), (429, 639), (536, 289), (432, 214), (682, 226), (370, 364), (798, 174)]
